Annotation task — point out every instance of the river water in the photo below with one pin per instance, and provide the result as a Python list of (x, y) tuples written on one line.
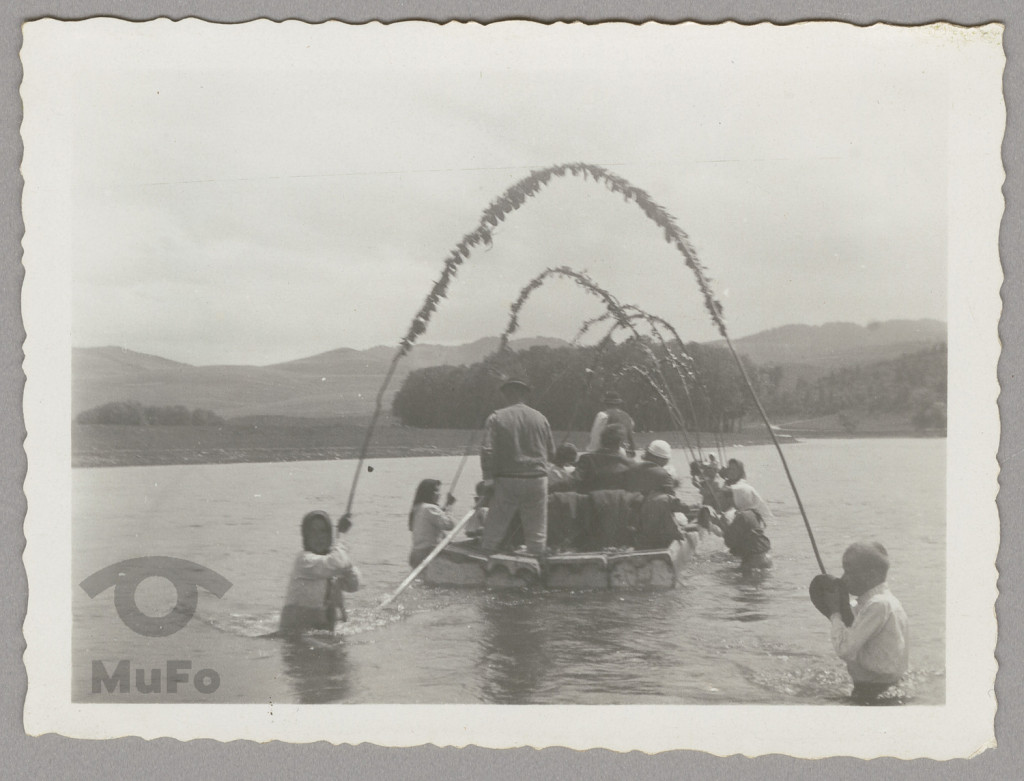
[(718, 637)]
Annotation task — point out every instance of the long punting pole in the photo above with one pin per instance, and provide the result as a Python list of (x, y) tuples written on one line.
[(462, 464), (430, 557), (778, 447), (378, 406)]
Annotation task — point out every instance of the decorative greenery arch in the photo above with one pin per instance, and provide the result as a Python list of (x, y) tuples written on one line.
[(511, 200)]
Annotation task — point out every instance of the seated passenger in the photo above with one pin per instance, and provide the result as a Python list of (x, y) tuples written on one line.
[(657, 525), (614, 517), (561, 472), (568, 520), (650, 472), (319, 572), (606, 468), (481, 499), (427, 521)]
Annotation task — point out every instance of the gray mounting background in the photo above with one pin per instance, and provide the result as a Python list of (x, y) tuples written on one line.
[(53, 756)]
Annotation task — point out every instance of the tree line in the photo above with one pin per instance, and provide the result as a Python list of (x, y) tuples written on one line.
[(705, 389), (914, 384), (132, 413), (569, 384)]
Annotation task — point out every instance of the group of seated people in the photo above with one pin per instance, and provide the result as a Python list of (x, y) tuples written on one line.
[(609, 468), (604, 499), (642, 494)]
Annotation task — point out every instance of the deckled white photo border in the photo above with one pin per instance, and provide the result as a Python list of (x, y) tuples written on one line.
[(961, 727)]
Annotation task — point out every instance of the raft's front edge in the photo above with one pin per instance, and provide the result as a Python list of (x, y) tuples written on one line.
[(656, 569)]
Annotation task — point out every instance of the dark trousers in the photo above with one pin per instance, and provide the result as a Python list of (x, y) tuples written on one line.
[(874, 693)]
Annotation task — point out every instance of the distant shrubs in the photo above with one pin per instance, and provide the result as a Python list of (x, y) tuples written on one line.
[(848, 421), (203, 417), (131, 413), (570, 382), (909, 384), (929, 411)]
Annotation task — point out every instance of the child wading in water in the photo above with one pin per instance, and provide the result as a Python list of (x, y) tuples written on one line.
[(320, 570), (874, 646), (427, 521)]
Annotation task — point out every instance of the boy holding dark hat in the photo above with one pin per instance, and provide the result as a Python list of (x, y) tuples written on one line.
[(518, 446), (874, 645)]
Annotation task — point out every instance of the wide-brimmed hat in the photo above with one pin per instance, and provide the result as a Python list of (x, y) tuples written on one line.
[(825, 584), (515, 382), (659, 449), (611, 397)]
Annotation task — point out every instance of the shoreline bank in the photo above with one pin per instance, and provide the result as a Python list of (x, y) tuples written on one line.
[(112, 445)]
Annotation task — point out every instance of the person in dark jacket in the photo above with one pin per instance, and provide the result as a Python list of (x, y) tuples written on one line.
[(606, 468), (657, 522)]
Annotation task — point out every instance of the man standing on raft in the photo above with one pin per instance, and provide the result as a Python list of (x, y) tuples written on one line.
[(517, 448)]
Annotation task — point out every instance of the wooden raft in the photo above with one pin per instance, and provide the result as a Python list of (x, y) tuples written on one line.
[(461, 564)]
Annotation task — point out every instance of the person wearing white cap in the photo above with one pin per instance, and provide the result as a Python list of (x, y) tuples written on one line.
[(651, 472)]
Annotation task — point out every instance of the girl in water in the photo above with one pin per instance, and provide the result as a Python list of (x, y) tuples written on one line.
[(427, 521), (321, 570)]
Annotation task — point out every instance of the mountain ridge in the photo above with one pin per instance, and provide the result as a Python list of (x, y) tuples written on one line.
[(839, 343), (345, 381)]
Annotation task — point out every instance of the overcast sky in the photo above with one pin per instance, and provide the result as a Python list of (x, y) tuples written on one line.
[(262, 192)]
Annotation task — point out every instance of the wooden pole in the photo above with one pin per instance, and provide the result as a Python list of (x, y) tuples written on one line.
[(778, 447), (430, 557), (378, 406)]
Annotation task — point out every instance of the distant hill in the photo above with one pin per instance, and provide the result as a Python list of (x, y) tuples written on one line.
[(376, 359), (835, 345), (338, 382), (344, 382)]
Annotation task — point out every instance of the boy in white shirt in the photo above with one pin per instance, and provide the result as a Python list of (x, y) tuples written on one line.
[(875, 645)]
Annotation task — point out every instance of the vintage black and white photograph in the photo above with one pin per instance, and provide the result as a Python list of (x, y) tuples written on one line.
[(511, 364)]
